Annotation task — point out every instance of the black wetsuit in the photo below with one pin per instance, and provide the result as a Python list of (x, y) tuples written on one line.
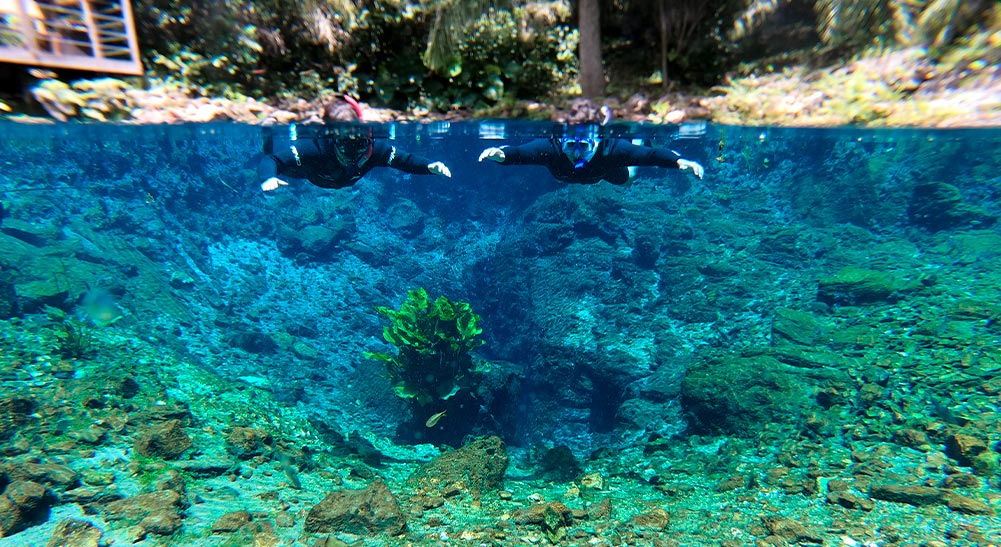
[(318, 163), (611, 161)]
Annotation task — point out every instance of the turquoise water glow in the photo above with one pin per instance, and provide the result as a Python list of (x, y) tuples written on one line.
[(830, 286), (631, 279)]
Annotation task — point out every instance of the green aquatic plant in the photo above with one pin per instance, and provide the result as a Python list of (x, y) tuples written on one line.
[(434, 339), (76, 337)]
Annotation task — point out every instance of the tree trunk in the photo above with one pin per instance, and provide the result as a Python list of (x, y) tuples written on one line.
[(592, 78), (663, 42)]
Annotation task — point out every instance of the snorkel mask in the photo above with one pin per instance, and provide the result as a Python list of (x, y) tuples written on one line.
[(351, 142), (352, 148), (579, 144)]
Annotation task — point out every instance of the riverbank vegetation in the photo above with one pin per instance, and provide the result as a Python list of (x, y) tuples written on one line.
[(811, 62)]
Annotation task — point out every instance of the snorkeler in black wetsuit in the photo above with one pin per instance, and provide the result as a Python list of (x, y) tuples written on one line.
[(581, 156), (335, 157)]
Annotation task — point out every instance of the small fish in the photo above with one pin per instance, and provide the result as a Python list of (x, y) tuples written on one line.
[(293, 477), (286, 464), (99, 307), (433, 420)]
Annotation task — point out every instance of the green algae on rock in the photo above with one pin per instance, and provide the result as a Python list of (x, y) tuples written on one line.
[(740, 395), (852, 285), (791, 326)]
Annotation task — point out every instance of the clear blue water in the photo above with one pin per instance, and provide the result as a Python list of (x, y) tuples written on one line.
[(594, 300), (800, 335)]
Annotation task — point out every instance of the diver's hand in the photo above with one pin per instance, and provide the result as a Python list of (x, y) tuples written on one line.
[(493, 154), (439, 168), (697, 169), (272, 184)]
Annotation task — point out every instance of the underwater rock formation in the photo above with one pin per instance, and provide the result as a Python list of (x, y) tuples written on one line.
[(738, 395), (76, 533), (940, 206), (373, 510), (478, 467), (158, 513), (24, 504), (852, 285), (166, 440)]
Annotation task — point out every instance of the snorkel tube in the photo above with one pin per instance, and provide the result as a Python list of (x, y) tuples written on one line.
[(364, 132), (354, 105)]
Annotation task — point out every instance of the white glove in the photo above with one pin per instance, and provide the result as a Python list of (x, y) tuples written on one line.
[(695, 167), (439, 168), (272, 184), (493, 154)]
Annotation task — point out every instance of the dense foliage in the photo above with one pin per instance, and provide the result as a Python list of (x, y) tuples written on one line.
[(372, 48), (848, 26), (446, 54)]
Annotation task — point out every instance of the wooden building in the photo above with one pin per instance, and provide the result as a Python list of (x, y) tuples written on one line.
[(96, 35)]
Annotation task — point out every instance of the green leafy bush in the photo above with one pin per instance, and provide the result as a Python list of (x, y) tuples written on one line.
[(370, 48), (290, 48), (433, 340), (505, 55)]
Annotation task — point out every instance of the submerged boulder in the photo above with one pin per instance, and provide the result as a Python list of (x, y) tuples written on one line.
[(795, 327), (853, 286), (740, 395), (159, 513), (76, 533), (363, 512), (317, 242), (17, 411), (940, 206), (166, 440), (24, 504), (476, 467)]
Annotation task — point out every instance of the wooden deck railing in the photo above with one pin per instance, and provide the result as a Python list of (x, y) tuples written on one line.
[(76, 34)]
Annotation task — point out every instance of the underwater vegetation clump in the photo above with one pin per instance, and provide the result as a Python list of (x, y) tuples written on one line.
[(76, 332), (76, 336), (433, 340)]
